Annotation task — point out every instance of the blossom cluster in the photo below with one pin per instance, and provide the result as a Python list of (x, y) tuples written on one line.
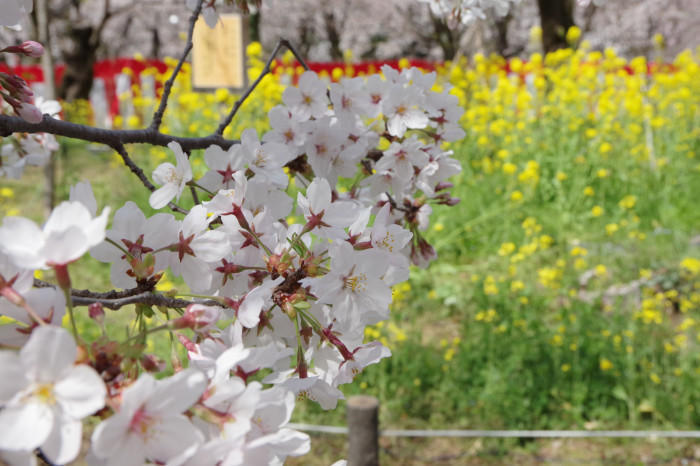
[(25, 149), (286, 285)]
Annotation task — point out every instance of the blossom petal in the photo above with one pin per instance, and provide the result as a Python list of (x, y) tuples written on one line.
[(65, 215), (63, 443), (160, 197), (163, 173), (95, 230), (63, 247), (81, 392), (110, 437), (21, 239), (12, 374), (177, 393), (25, 426), (171, 437), (49, 354)]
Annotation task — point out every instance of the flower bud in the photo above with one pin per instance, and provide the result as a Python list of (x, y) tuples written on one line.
[(443, 185), (199, 318), (151, 363), (187, 343), (28, 48), (96, 312), (29, 113), (17, 87), (32, 49)]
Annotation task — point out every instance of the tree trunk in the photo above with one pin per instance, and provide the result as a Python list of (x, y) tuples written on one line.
[(333, 36), (556, 17), (501, 26), (80, 60), (42, 20), (444, 36), (254, 26), (155, 43)]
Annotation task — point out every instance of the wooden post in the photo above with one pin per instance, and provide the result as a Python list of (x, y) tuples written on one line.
[(363, 431)]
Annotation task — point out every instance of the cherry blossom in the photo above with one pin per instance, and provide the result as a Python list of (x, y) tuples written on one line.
[(354, 283), (197, 249), (45, 396), (223, 164), (267, 159), (149, 424), (285, 294), (399, 107), (308, 99), (140, 240), (67, 234), (171, 178), (47, 303), (286, 129), (324, 217)]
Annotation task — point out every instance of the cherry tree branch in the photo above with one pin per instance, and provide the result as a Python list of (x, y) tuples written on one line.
[(110, 137), (266, 70), (148, 298), (167, 87), (142, 294)]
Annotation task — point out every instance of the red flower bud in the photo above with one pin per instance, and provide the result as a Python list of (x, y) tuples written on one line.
[(96, 312)]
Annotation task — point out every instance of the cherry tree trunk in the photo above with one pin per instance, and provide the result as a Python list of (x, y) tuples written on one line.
[(80, 59), (556, 17)]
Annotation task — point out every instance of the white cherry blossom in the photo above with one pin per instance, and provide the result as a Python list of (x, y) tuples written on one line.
[(45, 396), (149, 424), (308, 99), (68, 234), (172, 178), (139, 236)]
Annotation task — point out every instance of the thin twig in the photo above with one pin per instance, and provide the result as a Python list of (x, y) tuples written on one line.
[(195, 198), (121, 150), (158, 115), (113, 294), (142, 294), (148, 298), (266, 70)]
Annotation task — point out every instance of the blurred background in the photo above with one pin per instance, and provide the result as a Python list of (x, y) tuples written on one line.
[(85, 31)]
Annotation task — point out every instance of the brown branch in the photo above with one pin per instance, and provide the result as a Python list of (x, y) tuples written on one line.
[(110, 137), (281, 43), (106, 15), (147, 298), (195, 198), (167, 87), (142, 294)]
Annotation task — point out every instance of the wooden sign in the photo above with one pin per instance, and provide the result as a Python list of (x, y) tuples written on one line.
[(218, 55)]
